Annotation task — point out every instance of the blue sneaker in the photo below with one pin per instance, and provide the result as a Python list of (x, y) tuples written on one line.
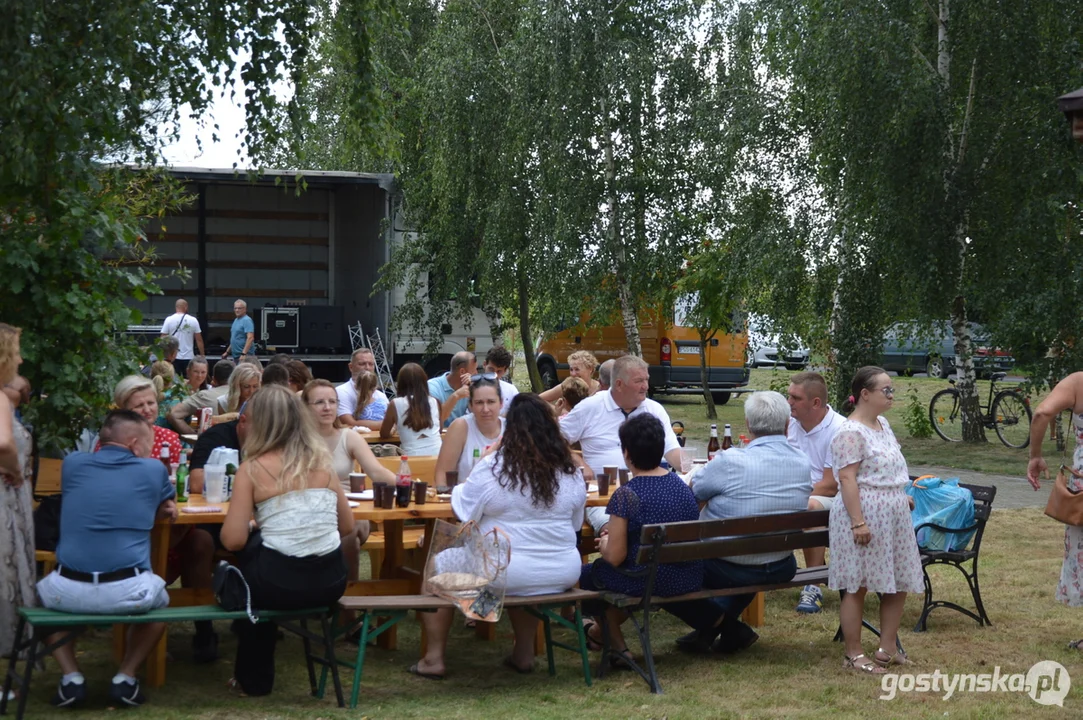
[(69, 695), (126, 694), (812, 600)]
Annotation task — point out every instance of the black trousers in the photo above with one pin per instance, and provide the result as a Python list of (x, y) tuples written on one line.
[(180, 367), (280, 582)]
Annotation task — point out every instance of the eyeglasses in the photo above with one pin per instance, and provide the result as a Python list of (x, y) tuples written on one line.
[(888, 391), (483, 376)]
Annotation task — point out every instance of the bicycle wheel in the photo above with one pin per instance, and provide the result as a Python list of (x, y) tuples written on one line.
[(1011, 418), (945, 415)]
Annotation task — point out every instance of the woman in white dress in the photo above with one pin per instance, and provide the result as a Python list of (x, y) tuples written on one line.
[(414, 414), (1067, 395), (872, 537), (529, 488), (476, 431), (17, 569)]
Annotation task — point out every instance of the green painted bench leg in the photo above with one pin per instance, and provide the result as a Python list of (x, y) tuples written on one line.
[(549, 643), (307, 645), (584, 651), (359, 661)]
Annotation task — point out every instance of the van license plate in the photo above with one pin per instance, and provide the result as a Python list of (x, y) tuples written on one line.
[(688, 349)]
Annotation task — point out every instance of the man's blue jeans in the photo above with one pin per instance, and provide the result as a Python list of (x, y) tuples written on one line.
[(719, 574)]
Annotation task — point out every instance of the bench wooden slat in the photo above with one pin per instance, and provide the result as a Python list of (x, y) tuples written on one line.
[(730, 546), (691, 530), (804, 576), (55, 618), (429, 602)]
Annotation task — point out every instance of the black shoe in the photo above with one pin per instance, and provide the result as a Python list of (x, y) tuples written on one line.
[(740, 638), (205, 647), (69, 695), (126, 694), (697, 641)]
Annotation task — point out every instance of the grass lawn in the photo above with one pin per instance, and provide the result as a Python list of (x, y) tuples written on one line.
[(992, 457), (794, 671)]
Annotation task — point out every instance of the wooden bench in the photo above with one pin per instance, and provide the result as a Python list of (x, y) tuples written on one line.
[(959, 559), (706, 540), (45, 622), (377, 614)]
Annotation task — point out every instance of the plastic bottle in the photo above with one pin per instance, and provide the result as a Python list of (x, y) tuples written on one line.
[(403, 484), (182, 478)]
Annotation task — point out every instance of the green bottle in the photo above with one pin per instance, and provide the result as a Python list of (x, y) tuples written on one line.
[(477, 456), (182, 479)]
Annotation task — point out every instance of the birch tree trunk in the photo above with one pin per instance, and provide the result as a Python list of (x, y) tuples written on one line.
[(704, 338), (524, 331), (616, 247)]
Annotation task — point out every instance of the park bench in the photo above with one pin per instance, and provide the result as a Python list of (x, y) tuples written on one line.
[(705, 540), (47, 622), (965, 561), (377, 614)]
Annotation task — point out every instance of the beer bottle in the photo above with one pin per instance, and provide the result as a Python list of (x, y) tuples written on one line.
[(712, 445), (727, 438), (164, 457)]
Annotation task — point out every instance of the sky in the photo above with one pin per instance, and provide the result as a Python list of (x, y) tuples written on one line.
[(222, 154)]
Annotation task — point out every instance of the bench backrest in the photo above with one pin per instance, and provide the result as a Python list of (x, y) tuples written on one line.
[(705, 539), (48, 479), (422, 467)]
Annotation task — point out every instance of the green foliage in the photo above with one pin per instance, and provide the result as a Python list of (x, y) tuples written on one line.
[(916, 415)]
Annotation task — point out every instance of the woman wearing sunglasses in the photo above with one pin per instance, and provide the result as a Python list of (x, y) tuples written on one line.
[(872, 538), (475, 431)]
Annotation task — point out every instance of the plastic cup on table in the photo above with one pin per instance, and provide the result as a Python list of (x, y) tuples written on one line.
[(603, 483), (387, 497), (357, 482), (451, 477), (611, 471), (420, 490), (623, 474), (214, 483)]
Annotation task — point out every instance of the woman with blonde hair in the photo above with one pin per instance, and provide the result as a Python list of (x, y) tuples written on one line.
[(581, 364), (17, 571), (346, 448), (170, 392), (291, 553), (139, 394), (243, 383)]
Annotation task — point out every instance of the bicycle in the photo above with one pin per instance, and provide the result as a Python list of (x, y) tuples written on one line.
[(1007, 411)]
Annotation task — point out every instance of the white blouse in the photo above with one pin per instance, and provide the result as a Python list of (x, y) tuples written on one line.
[(418, 442)]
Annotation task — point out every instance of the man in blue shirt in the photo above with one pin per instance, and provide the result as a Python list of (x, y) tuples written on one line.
[(452, 389), (767, 477), (242, 333), (110, 501)]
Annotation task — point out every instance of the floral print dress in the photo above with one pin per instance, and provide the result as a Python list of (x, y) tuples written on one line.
[(1070, 587), (17, 569), (890, 563)]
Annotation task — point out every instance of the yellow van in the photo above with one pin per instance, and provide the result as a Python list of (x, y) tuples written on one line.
[(670, 348)]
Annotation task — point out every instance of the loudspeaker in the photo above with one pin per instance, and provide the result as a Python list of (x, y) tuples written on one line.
[(323, 326), (279, 327)]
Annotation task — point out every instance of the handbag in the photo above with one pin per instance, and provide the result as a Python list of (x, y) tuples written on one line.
[(230, 588), (468, 567), (1065, 504)]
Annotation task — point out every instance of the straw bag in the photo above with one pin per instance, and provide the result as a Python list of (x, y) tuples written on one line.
[(1065, 504)]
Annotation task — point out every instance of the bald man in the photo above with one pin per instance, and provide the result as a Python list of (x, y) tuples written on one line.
[(185, 329), (452, 388)]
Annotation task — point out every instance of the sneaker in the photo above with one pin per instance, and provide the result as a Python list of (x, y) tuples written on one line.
[(736, 636), (127, 694), (205, 647), (812, 600), (69, 695)]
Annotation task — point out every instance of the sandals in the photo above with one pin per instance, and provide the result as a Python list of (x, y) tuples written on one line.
[(899, 658), (860, 663), (593, 644), (621, 660), (415, 670), (1075, 645)]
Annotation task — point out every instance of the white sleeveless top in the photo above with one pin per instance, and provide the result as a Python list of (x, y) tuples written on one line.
[(474, 440), (300, 523), (341, 460), (418, 442)]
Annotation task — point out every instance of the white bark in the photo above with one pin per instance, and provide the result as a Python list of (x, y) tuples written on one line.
[(616, 247)]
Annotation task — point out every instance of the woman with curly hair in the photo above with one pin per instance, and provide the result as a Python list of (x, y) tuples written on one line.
[(17, 569), (582, 365), (529, 488)]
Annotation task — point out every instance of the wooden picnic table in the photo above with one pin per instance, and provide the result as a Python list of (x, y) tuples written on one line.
[(394, 577)]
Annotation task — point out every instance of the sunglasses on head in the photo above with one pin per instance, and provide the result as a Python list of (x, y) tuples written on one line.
[(482, 376)]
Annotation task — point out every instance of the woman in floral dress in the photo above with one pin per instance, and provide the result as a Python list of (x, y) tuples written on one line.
[(16, 518), (1067, 395), (872, 538)]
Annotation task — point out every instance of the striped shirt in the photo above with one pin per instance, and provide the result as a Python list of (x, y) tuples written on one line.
[(766, 477)]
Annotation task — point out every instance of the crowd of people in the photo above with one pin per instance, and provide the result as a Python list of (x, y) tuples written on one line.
[(521, 461)]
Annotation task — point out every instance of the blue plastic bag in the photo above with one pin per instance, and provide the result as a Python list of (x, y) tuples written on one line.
[(944, 503)]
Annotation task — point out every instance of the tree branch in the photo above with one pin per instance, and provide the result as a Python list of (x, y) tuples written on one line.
[(964, 135)]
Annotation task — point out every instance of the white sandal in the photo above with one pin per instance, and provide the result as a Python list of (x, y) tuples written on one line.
[(865, 666)]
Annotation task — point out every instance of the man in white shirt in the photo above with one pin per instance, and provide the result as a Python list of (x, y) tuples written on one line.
[(361, 361), (605, 374), (498, 361), (594, 423), (811, 430), (185, 328)]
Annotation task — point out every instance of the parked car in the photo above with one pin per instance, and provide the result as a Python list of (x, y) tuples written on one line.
[(766, 350), (915, 347)]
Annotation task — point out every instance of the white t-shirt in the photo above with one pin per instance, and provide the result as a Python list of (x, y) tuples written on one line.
[(347, 397), (816, 443), (507, 392), (594, 424), (183, 327)]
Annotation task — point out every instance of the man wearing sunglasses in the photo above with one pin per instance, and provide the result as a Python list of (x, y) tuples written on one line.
[(452, 388)]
